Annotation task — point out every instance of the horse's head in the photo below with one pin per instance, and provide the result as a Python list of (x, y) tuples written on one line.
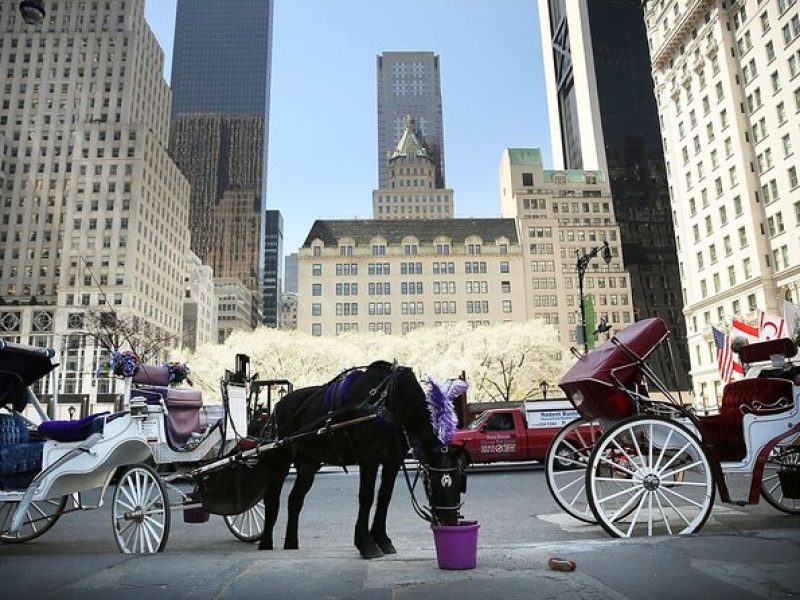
[(429, 421)]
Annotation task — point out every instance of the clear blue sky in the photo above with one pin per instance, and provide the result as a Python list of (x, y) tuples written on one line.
[(323, 116)]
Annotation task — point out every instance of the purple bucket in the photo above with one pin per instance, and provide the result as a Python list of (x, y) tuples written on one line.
[(456, 545), (195, 515)]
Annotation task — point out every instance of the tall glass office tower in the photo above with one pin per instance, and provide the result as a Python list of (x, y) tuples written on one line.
[(221, 66), (603, 115), (409, 84)]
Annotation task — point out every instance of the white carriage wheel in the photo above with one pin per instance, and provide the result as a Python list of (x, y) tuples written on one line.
[(565, 466), (40, 517), (249, 525), (140, 511), (649, 476), (771, 489)]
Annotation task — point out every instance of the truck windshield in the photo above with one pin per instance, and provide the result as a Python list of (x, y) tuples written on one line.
[(476, 421)]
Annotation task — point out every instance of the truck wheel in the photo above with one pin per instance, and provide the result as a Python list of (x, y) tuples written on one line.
[(563, 458)]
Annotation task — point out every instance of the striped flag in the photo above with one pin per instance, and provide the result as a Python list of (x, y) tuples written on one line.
[(727, 360), (742, 329)]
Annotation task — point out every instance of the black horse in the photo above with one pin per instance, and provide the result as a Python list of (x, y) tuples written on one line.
[(393, 396)]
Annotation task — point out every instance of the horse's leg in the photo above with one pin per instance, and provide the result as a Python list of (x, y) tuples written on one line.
[(305, 478), (378, 531), (366, 494), (278, 470)]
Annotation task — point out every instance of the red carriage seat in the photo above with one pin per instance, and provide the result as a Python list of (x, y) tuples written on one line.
[(724, 432)]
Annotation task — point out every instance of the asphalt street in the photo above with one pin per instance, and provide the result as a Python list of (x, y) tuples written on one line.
[(742, 552)]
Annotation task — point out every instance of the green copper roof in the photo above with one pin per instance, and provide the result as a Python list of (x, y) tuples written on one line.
[(525, 156)]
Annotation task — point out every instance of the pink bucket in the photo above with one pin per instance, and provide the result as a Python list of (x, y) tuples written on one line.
[(456, 545)]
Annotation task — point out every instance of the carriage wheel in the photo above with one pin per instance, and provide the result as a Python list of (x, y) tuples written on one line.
[(140, 511), (249, 525), (565, 466), (41, 516), (649, 476), (771, 490)]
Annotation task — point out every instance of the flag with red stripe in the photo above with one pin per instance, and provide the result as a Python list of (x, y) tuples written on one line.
[(742, 329)]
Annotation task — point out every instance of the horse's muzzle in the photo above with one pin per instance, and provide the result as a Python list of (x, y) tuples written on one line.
[(446, 481)]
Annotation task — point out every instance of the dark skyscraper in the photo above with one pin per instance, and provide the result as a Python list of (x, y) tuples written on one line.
[(220, 111), (273, 267), (603, 115), (222, 57), (409, 84)]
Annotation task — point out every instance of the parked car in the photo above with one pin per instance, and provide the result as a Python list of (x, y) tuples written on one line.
[(520, 433)]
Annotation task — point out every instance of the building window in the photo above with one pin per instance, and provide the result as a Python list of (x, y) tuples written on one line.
[(378, 250), (316, 289), (316, 329), (506, 306), (316, 309), (316, 270), (505, 287), (504, 266), (527, 180), (345, 250), (317, 250), (410, 249)]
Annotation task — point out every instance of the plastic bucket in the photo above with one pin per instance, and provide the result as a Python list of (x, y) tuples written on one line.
[(456, 545), (195, 515)]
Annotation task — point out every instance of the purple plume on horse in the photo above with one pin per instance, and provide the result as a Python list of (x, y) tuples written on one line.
[(439, 397)]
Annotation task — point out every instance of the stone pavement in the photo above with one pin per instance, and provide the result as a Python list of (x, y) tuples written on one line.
[(762, 564)]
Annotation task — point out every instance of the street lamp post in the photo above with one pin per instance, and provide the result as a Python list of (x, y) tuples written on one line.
[(582, 265), (543, 387)]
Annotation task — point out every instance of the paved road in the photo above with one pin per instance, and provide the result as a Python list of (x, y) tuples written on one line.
[(741, 553)]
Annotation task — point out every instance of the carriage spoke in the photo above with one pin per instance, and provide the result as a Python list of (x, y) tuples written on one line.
[(660, 492), (680, 470), (627, 505), (636, 446), (569, 460), (675, 456), (635, 516), (624, 453), (617, 466), (581, 490), (128, 495), (664, 447), (663, 514), (620, 493), (682, 497), (571, 483)]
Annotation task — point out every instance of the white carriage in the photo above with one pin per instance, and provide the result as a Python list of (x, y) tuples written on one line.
[(46, 468)]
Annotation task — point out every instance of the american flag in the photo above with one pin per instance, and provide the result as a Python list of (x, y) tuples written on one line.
[(727, 361)]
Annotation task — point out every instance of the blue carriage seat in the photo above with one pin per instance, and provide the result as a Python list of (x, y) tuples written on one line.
[(20, 458), (72, 431)]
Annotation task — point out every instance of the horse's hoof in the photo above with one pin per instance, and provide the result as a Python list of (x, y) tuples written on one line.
[(387, 547), (369, 549), (291, 546), (265, 546), (373, 552)]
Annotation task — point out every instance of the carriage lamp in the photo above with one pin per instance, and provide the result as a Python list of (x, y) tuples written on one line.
[(583, 263), (543, 386), (32, 11), (71, 411)]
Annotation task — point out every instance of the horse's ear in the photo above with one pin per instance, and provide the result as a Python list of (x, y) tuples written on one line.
[(380, 364)]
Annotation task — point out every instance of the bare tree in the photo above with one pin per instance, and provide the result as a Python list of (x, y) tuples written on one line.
[(113, 331)]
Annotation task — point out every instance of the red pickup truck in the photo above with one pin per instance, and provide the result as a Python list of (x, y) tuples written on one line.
[(515, 433)]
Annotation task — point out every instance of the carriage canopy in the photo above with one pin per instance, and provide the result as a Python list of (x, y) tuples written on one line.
[(21, 366), (593, 382)]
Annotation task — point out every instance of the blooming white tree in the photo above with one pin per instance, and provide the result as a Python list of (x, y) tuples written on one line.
[(501, 362)]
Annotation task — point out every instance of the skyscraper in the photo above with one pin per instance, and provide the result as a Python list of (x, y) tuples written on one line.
[(726, 83), (220, 80), (94, 213), (408, 84), (603, 116), (273, 268)]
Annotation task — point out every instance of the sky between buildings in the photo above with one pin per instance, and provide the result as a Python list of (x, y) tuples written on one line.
[(323, 115)]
